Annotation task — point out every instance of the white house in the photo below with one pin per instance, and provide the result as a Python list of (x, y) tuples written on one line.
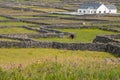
[(96, 8), (112, 8)]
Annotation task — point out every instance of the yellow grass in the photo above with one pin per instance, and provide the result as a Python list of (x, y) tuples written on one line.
[(9, 57), (15, 31)]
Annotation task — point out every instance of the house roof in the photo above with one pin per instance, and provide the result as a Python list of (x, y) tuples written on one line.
[(111, 6), (90, 6)]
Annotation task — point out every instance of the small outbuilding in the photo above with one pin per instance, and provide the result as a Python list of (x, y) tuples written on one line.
[(96, 8)]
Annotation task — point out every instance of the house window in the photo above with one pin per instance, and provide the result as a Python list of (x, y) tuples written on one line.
[(94, 11), (83, 11), (104, 11), (99, 11), (80, 11)]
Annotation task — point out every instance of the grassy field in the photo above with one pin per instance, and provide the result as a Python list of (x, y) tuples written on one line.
[(48, 9), (15, 31), (57, 21), (53, 64), (14, 24), (7, 11), (81, 35), (3, 18), (5, 39)]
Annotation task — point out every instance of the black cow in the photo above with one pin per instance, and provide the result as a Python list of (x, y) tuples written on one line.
[(72, 36)]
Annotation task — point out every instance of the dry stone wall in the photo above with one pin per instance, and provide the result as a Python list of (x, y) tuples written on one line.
[(114, 48), (107, 39), (112, 44), (80, 46), (47, 35), (56, 45), (16, 37), (68, 26), (41, 35), (111, 48), (109, 29), (25, 44)]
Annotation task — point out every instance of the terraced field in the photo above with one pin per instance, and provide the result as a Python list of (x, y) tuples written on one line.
[(48, 10), (29, 22), (3, 18), (6, 11), (15, 31), (14, 24), (82, 35)]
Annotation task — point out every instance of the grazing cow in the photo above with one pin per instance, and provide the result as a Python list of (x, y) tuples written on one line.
[(72, 36)]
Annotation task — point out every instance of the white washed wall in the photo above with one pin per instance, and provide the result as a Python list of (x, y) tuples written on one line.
[(87, 11), (102, 9), (113, 11)]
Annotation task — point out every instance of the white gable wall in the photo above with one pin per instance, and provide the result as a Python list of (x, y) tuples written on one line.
[(102, 9)]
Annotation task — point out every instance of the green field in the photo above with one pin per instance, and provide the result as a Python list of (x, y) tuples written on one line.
[(53, 64), (81, 35), (3, 18), (15, 31), (14, 24)]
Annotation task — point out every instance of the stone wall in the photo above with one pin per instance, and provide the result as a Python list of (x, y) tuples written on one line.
[(36, 29), (109, 29), (9, 17), (113, 48), (56, 31), (25, 36), (46, 30), (56, 45), (114, 36), (47, 35), (25, 44), (16, 37), (112, 44), (9, 26), (12, 20), (107, 38), (67, 26), (80, 46)]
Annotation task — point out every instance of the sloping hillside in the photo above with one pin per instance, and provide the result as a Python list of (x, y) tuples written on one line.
[(71, 5)]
